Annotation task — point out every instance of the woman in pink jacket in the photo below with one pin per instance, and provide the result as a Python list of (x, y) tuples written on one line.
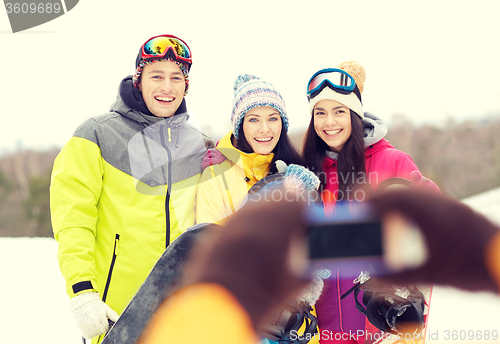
[(346, 148)]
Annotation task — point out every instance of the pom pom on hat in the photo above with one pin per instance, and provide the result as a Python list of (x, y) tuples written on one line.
[(241, 79), (357, 71), (250, 92)]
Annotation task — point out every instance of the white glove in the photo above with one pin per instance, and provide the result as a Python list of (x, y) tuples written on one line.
[(91, 314)]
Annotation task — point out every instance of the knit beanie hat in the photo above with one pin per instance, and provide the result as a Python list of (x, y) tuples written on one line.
[(250, 92), (140, 64), (351, 100)]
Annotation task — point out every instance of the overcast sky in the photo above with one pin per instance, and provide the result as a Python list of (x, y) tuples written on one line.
[(429, 60)]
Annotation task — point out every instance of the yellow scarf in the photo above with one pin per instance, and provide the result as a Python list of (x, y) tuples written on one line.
[(256, 166)]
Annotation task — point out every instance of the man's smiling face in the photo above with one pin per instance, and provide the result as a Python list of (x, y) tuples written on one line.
[(162, 86)]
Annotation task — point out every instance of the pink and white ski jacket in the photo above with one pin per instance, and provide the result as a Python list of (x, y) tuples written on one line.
[(382, 161)]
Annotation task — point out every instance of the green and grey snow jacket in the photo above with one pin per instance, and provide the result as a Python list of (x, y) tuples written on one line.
[(122, 188)]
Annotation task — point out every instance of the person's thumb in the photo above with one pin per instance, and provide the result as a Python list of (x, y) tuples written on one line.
[(416, 175), (281, 166), (111, 314)]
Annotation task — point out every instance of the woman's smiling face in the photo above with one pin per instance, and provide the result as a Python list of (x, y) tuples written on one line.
[(332, 123), (262, 129)]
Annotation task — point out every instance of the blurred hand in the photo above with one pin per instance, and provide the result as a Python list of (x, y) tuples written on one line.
[(212, 157), (91, 314), (419, 181), (456, 238), (253, 257)]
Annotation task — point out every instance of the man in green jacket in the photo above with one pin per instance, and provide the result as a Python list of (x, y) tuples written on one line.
[(123, 187)]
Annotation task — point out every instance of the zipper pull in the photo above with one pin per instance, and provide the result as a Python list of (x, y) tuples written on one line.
[(169, 138), (117, 241)]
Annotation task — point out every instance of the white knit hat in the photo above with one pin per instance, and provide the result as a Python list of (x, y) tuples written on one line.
[(350, 100)]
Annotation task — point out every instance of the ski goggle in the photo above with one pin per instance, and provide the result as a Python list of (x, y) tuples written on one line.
[(336, 79), (166, 46)]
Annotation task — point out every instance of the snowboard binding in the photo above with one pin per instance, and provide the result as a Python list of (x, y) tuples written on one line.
[(284, 324), (392, 309)]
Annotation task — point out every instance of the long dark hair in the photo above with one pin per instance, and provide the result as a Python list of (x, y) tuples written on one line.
[(351, 171), (284, 149)]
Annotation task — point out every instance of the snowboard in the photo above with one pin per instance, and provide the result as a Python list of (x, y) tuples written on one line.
[(162, 281)]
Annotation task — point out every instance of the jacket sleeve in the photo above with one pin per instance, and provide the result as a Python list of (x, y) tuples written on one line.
[(212, 202), (403, 164), (493, 259), (388, 163), (75, 189), (215, 316)]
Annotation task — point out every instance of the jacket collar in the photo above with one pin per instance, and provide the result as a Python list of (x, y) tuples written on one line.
[(331, 157), (255, 165), (374, 129)]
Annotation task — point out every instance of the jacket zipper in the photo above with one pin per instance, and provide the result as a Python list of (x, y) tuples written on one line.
[(111, 267), (169, 182)]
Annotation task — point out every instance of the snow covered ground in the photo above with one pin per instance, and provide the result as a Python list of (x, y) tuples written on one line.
[(34, 307)]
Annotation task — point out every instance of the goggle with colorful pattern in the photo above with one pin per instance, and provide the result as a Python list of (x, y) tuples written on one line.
[(164, 46)]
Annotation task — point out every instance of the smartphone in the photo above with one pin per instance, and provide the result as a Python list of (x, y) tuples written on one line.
[(358, 240)]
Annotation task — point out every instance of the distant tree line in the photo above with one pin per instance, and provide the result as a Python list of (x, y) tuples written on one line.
[(462, 158), (24, 193)]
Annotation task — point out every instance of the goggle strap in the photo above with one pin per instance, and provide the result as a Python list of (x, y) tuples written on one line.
[(358, 94)]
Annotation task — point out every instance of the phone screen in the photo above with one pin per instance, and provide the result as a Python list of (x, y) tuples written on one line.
[(352, 238), (337, 240)]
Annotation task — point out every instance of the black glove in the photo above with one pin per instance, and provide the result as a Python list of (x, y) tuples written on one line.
[(456, 237), (251, 257)]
